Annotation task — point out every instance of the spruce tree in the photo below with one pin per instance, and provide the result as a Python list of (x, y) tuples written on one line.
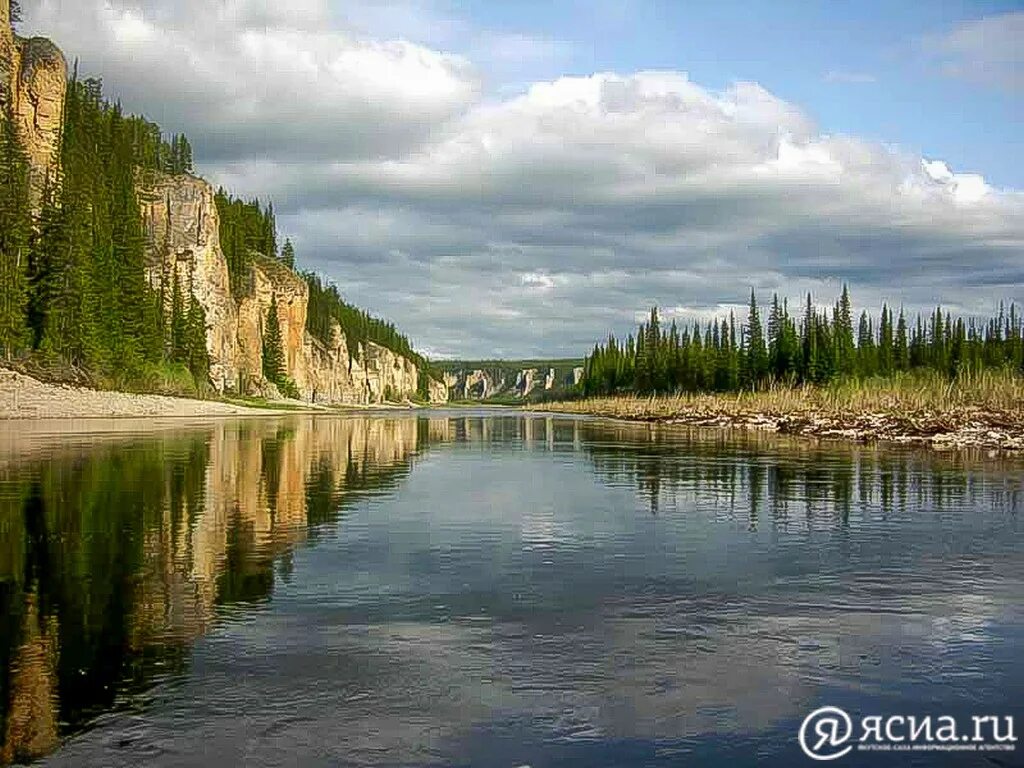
[(288, 254), (756, 361), (15, 230), (274, 367)]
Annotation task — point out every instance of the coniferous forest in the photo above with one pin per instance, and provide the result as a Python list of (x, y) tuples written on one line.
[(74, 296), (73, 289), (814, 346)]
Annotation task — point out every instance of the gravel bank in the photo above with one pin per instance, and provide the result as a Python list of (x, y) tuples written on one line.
[(955, 428), (22, 397)]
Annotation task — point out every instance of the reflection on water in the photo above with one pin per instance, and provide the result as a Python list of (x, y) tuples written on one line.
[(482, 589)]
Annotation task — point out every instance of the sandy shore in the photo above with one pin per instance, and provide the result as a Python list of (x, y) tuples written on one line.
[(23, 397)]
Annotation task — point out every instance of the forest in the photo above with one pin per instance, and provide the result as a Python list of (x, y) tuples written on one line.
[(818, 346), (73, 289), (75, 301), (326, 305)]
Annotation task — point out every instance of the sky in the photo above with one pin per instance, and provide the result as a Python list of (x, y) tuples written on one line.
[(521, 179)]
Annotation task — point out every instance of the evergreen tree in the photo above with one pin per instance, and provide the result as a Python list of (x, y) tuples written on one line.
[(15, 230), (902, 349), (288, 254), (274, 366), (756, 360), (846, 354)]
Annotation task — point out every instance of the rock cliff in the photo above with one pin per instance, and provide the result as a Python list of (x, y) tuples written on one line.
[(33, 79), (183, 234), (182, 224), (471, 381)]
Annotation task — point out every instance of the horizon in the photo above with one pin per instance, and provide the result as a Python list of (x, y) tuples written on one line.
[(499, 185)]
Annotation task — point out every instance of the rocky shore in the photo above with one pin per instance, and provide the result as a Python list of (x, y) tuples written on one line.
[(954, 428)]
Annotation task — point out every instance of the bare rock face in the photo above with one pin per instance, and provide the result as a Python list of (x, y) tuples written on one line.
[(549, 379), (272, 280), (526, 381), (182, 226), (183, 235), (437, 391), (183, 231), (33, 80)]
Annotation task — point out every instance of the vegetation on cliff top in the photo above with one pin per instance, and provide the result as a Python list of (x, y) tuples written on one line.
[(75, 301)]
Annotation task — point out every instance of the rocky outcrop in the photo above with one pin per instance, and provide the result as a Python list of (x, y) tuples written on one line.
[(183, 231), (509, 380), (437, 392), (182, 228), (33, 80)]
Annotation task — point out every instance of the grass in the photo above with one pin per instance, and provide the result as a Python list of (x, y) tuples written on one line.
[(906, 406)]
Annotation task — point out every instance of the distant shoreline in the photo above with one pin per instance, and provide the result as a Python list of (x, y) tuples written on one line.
[(962, 426)]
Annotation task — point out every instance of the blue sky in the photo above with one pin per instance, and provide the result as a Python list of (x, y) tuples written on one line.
[(861, 68), (518, 179)]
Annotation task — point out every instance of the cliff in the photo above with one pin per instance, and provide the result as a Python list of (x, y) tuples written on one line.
[(181, 221), (183, 235), (33, 77), (507, 379)]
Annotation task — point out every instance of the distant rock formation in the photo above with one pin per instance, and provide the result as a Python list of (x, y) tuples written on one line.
[(509, 379)]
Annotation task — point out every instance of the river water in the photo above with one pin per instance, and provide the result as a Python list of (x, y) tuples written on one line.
[(492, 589)]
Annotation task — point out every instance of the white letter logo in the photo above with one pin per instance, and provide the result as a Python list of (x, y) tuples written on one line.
[(832, 729)]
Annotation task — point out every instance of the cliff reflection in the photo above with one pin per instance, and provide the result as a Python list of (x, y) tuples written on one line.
[(118, 551), (113, 558)]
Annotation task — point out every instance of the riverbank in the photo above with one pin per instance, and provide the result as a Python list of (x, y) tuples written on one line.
[(24, 397), (985, 411)]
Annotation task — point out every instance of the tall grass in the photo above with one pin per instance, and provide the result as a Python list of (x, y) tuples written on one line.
[(996, 393)]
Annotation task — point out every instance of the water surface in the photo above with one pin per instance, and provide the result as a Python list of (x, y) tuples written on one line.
[(490, 589)]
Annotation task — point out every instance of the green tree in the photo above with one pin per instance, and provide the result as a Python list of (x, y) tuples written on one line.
[(288, 254), (15, 230), (274, 366), (756, 360)]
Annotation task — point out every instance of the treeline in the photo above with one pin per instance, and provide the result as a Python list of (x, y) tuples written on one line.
[(359, 326), (814, 347), (246, 228), (73, 287)]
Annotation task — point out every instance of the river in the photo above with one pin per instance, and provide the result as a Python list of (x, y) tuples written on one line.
[(490, 588)]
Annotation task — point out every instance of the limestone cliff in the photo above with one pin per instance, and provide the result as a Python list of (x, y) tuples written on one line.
[(182, 225), (183, 233), (33, 79), (471, 381)]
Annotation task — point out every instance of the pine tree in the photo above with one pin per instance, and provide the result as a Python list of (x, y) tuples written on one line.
[(288, 254), (846, 353), (15, 229), (274, 367), (756, 361), (902, 350)]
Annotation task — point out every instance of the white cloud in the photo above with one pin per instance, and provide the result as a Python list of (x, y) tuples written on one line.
[(536, 224), (261, 78), (989, 50)]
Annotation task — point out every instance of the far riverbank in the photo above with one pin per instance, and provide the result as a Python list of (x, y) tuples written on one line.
[(985, 411)]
